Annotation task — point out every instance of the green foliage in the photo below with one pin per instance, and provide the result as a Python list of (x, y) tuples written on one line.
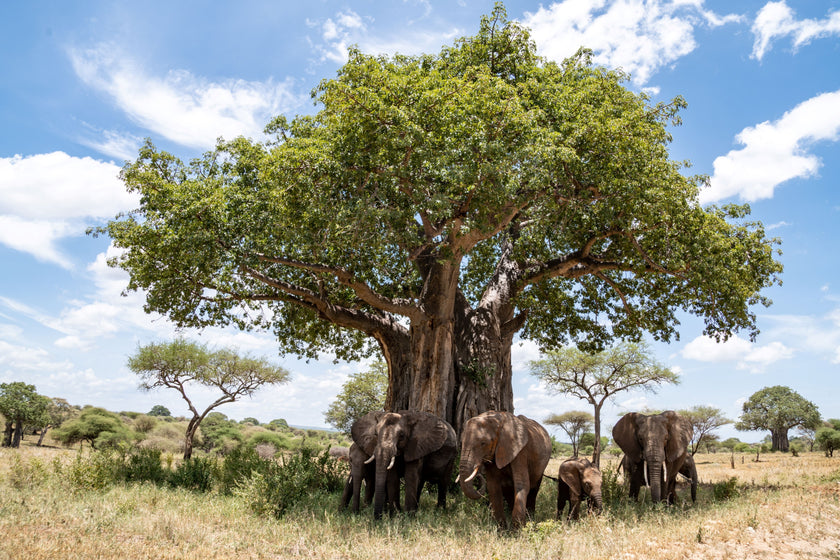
[(99, 427), (21, 405), (828, 438), (274, 488), (279, 424), (26, 474), (574, 423), (778, 409), (728, 489), (239, 465), (279, 441), (612, 489), (159, 410), (220, 434), (195, 473), (363, 392), (704, 421)]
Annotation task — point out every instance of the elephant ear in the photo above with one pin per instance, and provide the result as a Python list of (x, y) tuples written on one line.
[(570, 473), (680, 433), (624, 435), (363, 431), (428, 433), (513, 436)]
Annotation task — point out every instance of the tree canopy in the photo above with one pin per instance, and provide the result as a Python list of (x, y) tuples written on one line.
[(180, 363), (363, 392), (99, 427), (574, 423), (597, 377), (21, 405), (704, 421), (434, 207), (778, 409)]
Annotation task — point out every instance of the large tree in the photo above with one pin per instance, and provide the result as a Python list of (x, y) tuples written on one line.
[(778, 409), (704, 420), (435, 207), (181, 363), (597, 377)]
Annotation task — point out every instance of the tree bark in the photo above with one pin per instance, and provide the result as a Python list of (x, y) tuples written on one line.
[(42, 434), (18, 434), (7, 434), (596, 453), (779, 439)]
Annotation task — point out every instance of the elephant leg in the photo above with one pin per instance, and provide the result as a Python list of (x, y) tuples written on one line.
[(347, 494), (574, 509), (521, 487), (413, 484), (495, 493), (562, 497), (531, 504), (393, 492)]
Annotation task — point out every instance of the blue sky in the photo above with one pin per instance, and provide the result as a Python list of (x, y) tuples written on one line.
[(82, 83)]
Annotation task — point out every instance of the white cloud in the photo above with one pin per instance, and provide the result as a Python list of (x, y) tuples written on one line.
[(184, 108), (775, 152), (639, 37), (776, 20), (120, 145), (748, 356), (349, 28), (47, 197)]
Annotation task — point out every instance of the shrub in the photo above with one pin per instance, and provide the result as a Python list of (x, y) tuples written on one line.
[(239, 465), (94, 471), (26, 474), (723, 491), (195, 473), (612, 489), (145, 465)]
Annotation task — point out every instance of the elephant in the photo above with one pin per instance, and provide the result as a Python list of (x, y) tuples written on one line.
[(361, 470), (419, 444), (653, 442), (578, 478), (514, 451), (689, 470)]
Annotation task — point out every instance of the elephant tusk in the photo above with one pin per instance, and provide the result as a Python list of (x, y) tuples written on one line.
[(472, 476), (370, 460), (457, 479), (391, 464)]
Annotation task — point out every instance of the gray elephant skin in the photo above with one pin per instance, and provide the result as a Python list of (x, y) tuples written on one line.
[(421, 445), (361, 470), (689, 470), (514, 451), (658, 442), (578, 478)]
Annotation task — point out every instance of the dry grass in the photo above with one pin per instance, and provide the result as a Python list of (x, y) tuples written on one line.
[(787, 507)]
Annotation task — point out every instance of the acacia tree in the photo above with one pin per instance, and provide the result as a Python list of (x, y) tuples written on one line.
[(574, 423), (598, 377), (58, 410), (180, 363), (363, 392), (436, 206), (704, 420), (778, 409)]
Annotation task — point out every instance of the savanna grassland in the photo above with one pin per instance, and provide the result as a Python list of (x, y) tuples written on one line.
[(780, 507)]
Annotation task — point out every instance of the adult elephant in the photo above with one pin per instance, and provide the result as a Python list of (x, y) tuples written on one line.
[(422, 444), (514, 451), (578, 478), (654, 441)]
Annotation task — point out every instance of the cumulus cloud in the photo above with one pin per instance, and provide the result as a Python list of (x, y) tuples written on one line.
[(776, 20), (639, 37), (184, 108), (775, 152), (47, 197), (748, 356)]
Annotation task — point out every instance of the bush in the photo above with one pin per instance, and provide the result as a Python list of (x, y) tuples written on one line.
[(280, 486), (94, 471), (239, 465), (194, 474), (26, 474), (723, 491), (144, 465), (612, 489)]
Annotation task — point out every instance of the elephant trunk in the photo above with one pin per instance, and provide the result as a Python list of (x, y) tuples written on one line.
[(468, 470), (655, 480), (596, 502)]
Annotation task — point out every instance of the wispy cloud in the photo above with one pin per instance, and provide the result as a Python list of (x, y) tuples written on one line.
[(639, 37), (184, 108), (776, 20), (749, 356), (775, 152)]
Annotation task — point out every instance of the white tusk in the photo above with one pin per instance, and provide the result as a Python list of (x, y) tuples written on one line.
[(369, 461), (391, 464), (644, 469), (457, 479), (472, 476)]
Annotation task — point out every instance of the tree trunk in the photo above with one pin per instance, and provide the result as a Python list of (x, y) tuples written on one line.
[(779, 439), (18, 434), (192, 427), (41, 436), (596, 454), (7, 434)]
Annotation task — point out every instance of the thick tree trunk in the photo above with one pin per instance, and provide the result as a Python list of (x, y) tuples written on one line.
[(192, 428), (779, 439), (18, 434), (7, 434)]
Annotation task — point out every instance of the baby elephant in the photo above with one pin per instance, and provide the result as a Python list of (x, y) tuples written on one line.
[(578, 479)]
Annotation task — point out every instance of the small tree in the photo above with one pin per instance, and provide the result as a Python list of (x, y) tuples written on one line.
[(778, 409), (58, 411), (160, 410), (828, 437), (99, 427), (598, 377), (574, 423), (363, 392), (704, 420), (21, 405), (180, 363)]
